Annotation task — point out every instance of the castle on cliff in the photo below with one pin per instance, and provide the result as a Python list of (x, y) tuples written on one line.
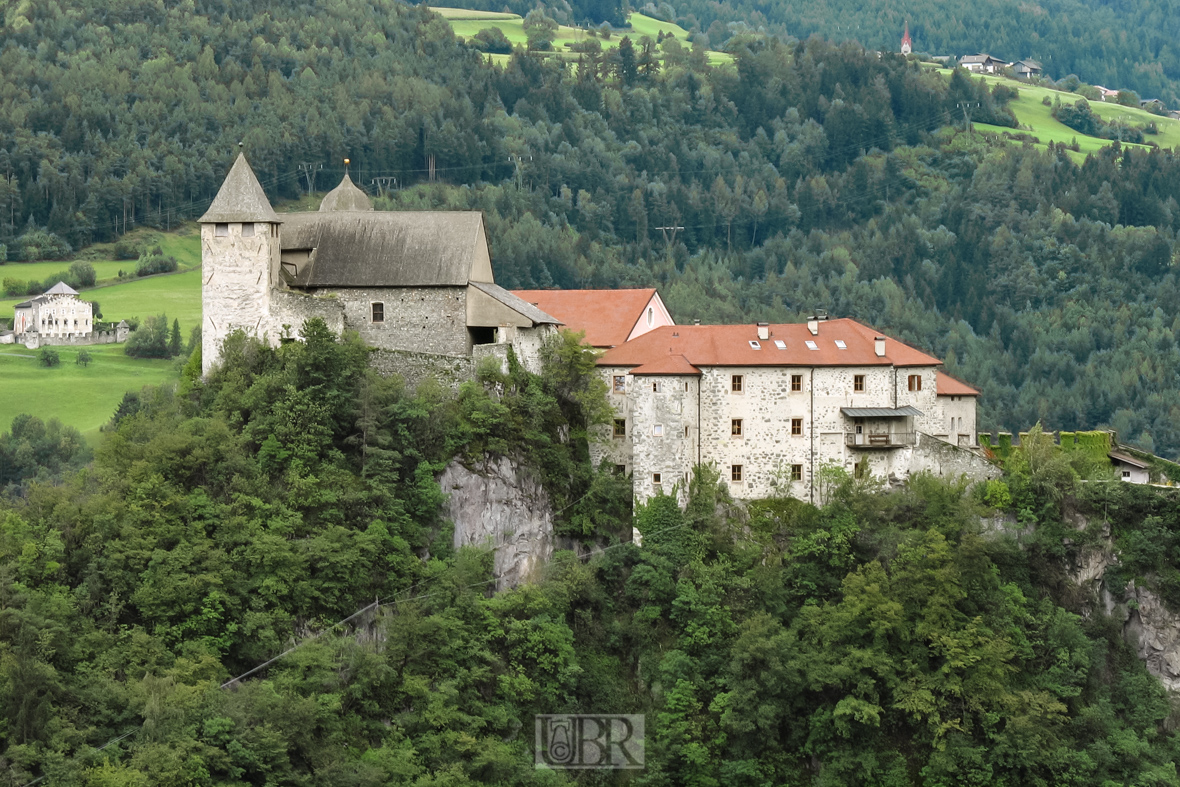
[(768, 405)]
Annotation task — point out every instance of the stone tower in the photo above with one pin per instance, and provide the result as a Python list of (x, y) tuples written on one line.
[(239, 259), (907, 44)]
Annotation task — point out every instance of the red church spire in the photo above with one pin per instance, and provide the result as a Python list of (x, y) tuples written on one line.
[(907, 45)]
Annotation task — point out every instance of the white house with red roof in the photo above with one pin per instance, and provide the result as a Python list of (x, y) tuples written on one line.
[(769, 405)]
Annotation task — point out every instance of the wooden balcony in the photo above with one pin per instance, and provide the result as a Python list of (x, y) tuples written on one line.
[(879, 440)]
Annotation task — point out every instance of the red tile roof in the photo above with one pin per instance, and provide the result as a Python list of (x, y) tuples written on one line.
[(949, 386), (669, 364), (607, 316), (729, 345)]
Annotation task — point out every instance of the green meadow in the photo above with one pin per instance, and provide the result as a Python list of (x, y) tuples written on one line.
[(1037, 120), (467, 23), (80, 396)]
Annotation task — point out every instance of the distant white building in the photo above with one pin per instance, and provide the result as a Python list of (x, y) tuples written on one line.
[(57, 314)]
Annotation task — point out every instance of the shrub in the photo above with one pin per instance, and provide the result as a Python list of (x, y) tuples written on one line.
[(492, 39), (83, 274), (38, 244), (155, 261), (150, 340), (83, 358), (126, 250), (14, 288), (49, 358)]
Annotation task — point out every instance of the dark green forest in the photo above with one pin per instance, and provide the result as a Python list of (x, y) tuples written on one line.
[(881, 638), (808, 176)]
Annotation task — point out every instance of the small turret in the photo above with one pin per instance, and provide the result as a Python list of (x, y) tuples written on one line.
[(346, 196)]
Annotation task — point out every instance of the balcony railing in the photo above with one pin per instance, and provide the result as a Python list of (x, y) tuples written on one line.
[(875, 440)]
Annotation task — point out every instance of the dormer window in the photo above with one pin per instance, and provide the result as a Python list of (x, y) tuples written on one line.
[(221, 230), (651, 316)]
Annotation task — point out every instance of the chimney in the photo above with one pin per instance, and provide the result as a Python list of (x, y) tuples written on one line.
[(879, 343), (763, 331), (696, 322), (813, 325)]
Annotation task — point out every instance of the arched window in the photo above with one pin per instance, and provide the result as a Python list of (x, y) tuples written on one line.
[(651, 316)]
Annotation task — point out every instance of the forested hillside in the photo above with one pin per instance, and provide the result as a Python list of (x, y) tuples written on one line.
[(806, 176), (880, 639)]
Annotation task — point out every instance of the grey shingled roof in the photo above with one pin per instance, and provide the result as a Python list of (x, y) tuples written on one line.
[(384, 249), (346, 196), (879, 412), (61, 288), (516, 304), (240, 198)]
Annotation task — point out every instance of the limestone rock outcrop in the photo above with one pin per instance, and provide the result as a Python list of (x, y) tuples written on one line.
[(500, 505)]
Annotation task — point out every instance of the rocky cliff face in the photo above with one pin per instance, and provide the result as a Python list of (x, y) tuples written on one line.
[(500, 505), (1148, 626)]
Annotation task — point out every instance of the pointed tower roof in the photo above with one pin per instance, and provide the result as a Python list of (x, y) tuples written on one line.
[(346, 196), (241, 198), (61, 288), (905, 39)]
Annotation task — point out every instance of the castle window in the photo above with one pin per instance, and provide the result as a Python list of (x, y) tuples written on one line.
[(735, 427), (686, 385), (655, 479), (796, 427), (655, 387), (796, 383), (620, 383), (221, 230), (735, 473), (657, 430), (915, 382), (796, 472), (858, 383), (686, 431), (735, 383), (378, 312), (620, 427), (247, 230), (620, 469)]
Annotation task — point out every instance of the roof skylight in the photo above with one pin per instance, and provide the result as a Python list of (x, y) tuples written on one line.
[(840, 343), (811, 345), (779, 343), (755, 345)]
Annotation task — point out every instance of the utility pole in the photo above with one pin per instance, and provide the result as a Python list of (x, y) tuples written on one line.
[(309, 171), (669, 241), (966, 106), (519, 162), (383, 183)]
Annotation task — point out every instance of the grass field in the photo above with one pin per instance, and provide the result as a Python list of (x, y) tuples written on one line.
[(1037, 119), (83, 397), (467, 23)]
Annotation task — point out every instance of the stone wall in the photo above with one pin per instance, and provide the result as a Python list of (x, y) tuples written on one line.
[(664, 431), (420, 319), (35, 341), (414, 367), (500, 505), (292, 309)]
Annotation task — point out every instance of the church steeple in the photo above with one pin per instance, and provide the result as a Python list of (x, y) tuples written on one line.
[(907, 45)]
